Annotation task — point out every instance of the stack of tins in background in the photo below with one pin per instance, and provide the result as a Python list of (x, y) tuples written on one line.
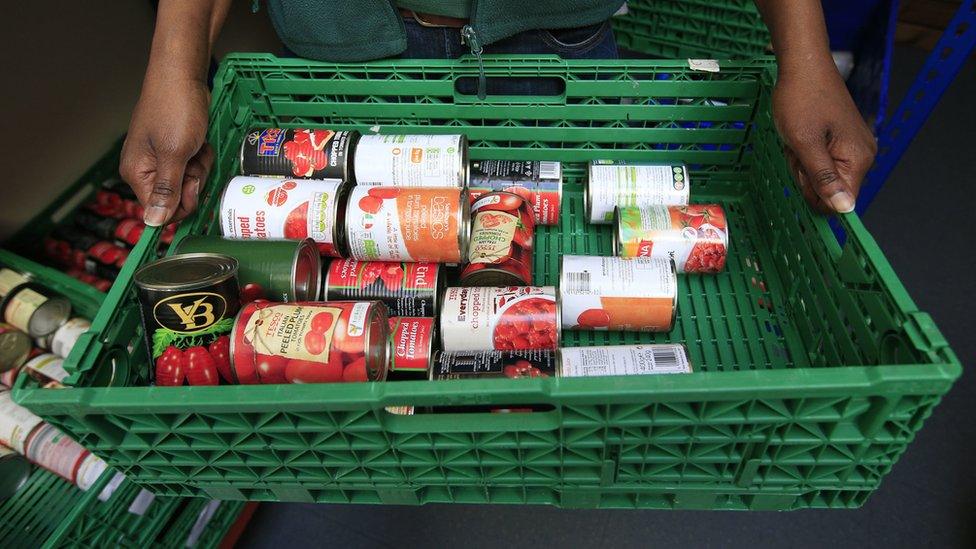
[(774, 357)]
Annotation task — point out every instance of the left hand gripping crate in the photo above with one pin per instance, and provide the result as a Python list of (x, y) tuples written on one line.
[(814, 369)]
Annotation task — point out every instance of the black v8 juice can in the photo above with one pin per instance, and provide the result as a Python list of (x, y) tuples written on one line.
[(314, 153), (188, 303)]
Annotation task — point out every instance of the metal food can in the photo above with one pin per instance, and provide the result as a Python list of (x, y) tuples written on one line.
[(696, 237), (500, 248), (123, 232), (82, 250), (411, 347), (46, 367), (615, 183), (310, 342), (188, 303), (625, 360), (90, 470), (67, 335), (279, 270), (495, 364), (15, 345), (538, 182), (17, 423), (314, 153), (407, 289), (10, 279), (56, 452), (33, 309), (412, 160), (14, 470), (512, 318), (401, 224), (612, 293), (263, 208)]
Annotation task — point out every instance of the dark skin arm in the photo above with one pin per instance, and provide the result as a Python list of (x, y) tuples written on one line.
[(828, 145), (165, 157)]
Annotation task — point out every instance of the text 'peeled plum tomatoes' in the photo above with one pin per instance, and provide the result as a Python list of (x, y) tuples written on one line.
[(515, 317), (310, 342)]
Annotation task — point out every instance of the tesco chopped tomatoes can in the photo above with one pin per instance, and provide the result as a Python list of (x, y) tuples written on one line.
[(411, 347), (612, 183), (539, 183), (310, 342), (302, 152), (512, 318), (412, 160), (264, 208), (407, 289), (613, 293), (408, 224), (696, 236), (500, 248)]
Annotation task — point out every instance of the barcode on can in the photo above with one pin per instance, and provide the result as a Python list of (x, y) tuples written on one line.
[(624, 360), (550, 170), (577, 283)]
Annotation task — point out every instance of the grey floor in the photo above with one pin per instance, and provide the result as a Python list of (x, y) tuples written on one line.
[(923, 221)]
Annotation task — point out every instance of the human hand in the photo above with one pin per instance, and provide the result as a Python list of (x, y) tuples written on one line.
[(828, 144), (165, 158)]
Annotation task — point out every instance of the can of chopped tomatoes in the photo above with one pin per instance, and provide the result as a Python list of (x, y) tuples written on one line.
[(310, 342), (411, 347), (188, 304), (265, 208), (56, 452), (34, 309), (613, 183), (696, 236), (500, 248), (539, 183), (279, 270), (625, 360), (407, 289), (495, 364), (408, 224), (612, 293), (312, 153), (15, 345), (516, 317), (412, 160)]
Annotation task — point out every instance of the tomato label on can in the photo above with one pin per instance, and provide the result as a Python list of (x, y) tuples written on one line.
[(313, 153), (623, 360), (516, 317), (407, 289), (495, 364), (394, 224), (256, 208), (304, 333), (539, 183), (612, 293), (411, 339), (614, 183), (696, 236), (502, 235), (56, 452)]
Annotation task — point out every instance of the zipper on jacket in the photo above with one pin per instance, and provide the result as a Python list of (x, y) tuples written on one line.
[(255, 6), (469, 37)]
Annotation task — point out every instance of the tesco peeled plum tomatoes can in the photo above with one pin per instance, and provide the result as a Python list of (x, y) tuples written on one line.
[(512, 318), (616, 183), (408, 224), (407, 289), (279, 270), (411, 347), (310, 342), (495, 364), (613, 293), (265, 208), (500, 248), (412, 160), (313, 153), (540, 183), (696, 236), (188, 304)]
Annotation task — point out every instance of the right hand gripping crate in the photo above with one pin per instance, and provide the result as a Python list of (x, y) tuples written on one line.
[(814, 368)]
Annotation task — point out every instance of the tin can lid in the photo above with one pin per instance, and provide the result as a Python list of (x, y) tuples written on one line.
[(14, 470), (464, 224), (186, 271), (493, 277), (305, 272), (14, 348), (377, 338)]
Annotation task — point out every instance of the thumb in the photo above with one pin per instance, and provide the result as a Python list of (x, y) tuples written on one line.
[(818, 171), (167, 186)]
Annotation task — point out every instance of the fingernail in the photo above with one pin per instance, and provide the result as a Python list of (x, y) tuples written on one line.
[(842, 202), (155, 216)]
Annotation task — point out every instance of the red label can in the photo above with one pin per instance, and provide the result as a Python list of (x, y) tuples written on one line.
[(407, 289), (411, 347), (56, 452), (500, 249), (314, 153), (310, 342), (540, 183), (484, 319), (696, 236)]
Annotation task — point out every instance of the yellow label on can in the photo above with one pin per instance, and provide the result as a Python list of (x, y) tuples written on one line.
[(10, 279), (21, 308)]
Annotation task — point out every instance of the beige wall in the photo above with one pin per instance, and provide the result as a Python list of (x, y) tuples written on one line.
[(72, 72)]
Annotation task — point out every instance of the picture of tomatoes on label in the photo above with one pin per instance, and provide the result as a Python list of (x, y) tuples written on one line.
[(407, 289), (310, 342), (486, 318), (500, 250), (313, 153), (539, 183), (495, 364), (695, 236)]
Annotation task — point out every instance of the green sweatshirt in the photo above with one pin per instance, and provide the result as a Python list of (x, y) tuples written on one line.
[(360, 30)]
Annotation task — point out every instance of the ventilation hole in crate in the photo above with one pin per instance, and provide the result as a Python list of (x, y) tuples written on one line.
[(769, 326)]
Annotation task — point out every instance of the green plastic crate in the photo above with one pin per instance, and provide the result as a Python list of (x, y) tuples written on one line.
[(177, 535), (692, 28), (814, 369)]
